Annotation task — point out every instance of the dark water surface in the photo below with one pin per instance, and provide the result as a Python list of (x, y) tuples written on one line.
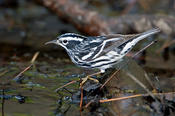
[(34, 93)]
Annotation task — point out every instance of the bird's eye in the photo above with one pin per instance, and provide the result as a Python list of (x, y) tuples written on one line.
[(65, 41)]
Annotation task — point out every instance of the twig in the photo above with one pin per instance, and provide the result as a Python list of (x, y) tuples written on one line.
[(87, 105), (110, 78), (133, 96), (18, 76), (144, 48), (81, 100), (56, 90), (27, 68), (128, 97), (149, 81), (120, 98), (127, 63), (141, 84), (68, 91), (34, 57)]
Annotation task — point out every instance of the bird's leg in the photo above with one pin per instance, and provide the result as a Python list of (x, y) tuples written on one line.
[(90, 78)]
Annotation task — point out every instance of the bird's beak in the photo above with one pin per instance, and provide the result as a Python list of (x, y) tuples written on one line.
[(51, 42)]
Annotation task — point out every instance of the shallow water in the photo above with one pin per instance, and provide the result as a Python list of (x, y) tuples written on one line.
[(35, 89)]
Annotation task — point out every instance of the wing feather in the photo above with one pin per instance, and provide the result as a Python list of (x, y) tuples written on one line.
[(94, 47)]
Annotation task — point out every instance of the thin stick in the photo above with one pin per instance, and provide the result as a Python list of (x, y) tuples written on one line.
[(128, 97), (144, 48), (110, 78), (87, 105), (81, 100), (27, 68), (141, 84), (18, 76), (56, 90), (126, 63), (133, 96), (149, 81), (34, 57), (120, 98)]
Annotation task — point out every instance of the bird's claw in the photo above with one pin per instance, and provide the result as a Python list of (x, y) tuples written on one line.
[(86, 78)]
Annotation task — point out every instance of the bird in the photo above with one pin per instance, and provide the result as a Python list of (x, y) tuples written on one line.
[(99, 52)]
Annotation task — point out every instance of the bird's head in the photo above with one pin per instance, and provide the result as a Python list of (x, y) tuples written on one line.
[(68, 40)]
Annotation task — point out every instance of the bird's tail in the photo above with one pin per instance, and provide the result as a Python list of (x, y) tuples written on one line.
[(130, 44)]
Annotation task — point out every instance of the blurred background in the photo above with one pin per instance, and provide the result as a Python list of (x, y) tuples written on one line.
[(25, 25)]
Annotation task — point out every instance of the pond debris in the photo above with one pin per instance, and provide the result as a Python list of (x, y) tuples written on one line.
[(90, 97), (19, 77), (61, 110), (19, 98), (164, 106), (69, 83), (88, 92), (34, 57), (3, 96), (81, 99)]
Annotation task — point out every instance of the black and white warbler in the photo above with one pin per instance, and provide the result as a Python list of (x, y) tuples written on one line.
[(101, 52)]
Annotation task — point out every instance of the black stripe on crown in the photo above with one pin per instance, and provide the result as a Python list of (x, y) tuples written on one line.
[(73, 35)]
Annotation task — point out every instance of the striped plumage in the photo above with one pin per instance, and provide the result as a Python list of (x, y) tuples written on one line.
[(100, 52)]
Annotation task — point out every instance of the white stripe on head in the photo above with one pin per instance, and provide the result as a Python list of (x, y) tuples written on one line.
[(71, 38)]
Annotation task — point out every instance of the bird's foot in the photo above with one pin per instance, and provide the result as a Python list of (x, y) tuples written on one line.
[(86, 78)]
